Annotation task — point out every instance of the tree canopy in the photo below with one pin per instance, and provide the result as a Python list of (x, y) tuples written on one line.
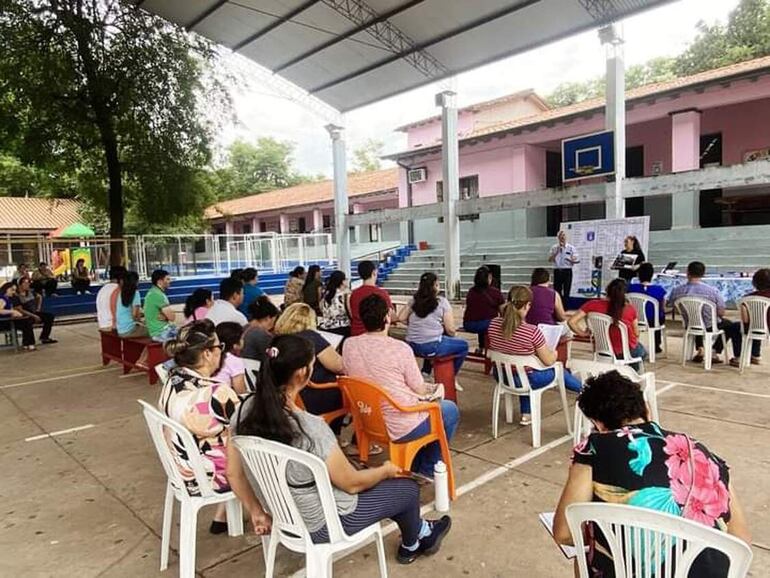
[(367, 157), (745, 36)]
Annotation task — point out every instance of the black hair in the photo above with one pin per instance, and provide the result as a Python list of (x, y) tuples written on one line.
[(373, 311), (229, 286), (366, 269), (248, 274), (539, 276), (761, 280), (297, 272), (426, 299), (645, 272), (157, 275), (197, 298), (612, 399), (42, 264), (229, 333), (117, 272), (616, 295), (311, 272), (129, 288), (190, 343), (79, 261), (696, 269), (262, 308), (237, 274), (267, 416), (635, 242), (336, 279), (481, 278), (6, 286)]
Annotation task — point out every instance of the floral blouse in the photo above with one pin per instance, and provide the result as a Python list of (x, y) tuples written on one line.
[(334, 315), (204, 406), (648, 467)]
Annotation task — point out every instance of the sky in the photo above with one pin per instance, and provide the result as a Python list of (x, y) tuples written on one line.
[(665, 31)]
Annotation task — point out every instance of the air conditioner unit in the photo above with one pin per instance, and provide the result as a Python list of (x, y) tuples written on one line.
[(417, 175)]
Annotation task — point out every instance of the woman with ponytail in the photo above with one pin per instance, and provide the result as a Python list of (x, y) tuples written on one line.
[(512, 335), (201, 404), (363, 497)]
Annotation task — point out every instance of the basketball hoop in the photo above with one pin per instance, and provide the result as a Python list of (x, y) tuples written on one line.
[(585, 170)]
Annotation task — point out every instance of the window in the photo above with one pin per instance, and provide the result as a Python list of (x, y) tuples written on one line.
[(469, 189), (262, 227), (246, 229), (302, 225), (327, 221), (374, 233)]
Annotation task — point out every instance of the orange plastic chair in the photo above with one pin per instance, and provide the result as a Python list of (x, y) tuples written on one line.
[(332, 415), (366, 400)]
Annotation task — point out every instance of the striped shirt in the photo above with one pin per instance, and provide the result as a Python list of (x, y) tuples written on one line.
[(524, 341)]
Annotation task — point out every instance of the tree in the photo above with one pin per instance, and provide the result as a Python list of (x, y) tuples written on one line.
[(116, 95), (366, 158)]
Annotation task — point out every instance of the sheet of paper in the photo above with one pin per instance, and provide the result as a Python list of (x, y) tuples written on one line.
[(546, 518), (552, 334), (333, 339)]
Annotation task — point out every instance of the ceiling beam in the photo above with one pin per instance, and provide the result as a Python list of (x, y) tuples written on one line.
[(423, 45), (273, 25), (205, 14), (352, 32), (599, 9)]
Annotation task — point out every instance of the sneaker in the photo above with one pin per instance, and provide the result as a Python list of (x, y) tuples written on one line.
[(428, 545), (526, 419), (49, 340), (756, 361), (458, 387)]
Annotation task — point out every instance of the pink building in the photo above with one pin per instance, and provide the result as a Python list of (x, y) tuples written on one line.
[(309, 208), (512, 144)]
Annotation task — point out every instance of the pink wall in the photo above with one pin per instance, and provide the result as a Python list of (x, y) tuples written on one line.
[(430, 133), (655, 136), (744, 127)]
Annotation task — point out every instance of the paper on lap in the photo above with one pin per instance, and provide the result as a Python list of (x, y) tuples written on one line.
[(333, 338), (552, 334), (546, 518)]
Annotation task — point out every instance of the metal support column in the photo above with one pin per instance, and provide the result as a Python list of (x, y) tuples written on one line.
[(342, 232), (615, 115), (451, 186)]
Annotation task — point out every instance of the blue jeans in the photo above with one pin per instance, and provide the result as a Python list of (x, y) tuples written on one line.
[(427, 457), (167, 334), (480, 328), (540, 378), (446, 346)]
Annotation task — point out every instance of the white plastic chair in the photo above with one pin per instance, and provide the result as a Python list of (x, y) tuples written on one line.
[(252, 373), (267, 461), (160, 425), (599, 325), (162, 372), (507, 386), (584, 368), (648, 544), (639, 302), (691, 309), (758, 330)]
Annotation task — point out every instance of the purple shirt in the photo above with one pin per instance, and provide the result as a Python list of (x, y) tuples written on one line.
[(699, 289), (543, 306)]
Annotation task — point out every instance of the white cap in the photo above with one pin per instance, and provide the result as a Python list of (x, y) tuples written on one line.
[(439, 467)]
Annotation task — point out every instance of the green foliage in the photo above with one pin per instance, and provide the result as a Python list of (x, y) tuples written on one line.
[(746, 36), (366, 158)]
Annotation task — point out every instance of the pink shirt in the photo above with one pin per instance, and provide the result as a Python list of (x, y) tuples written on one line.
[(389, 363), (199, 313), (233, 366)]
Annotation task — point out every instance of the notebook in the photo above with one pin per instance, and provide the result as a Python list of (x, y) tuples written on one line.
[(546, 518), (552, 334)]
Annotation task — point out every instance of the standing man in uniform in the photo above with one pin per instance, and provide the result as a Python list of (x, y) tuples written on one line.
[(563, 256)]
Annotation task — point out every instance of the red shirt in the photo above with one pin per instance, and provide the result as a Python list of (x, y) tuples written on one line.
[(358, 295), (628, 317)]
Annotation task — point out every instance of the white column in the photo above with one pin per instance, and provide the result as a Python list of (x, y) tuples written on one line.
[(358, 208), (451, 183), (615, 115), (342, 232), (229, 229), (255, 224), (318, 220), (685, 156), (283, 224)]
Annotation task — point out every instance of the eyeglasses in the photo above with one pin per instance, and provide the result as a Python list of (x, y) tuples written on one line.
[(220, 346)]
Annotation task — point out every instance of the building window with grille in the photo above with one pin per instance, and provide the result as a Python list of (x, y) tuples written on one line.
[(469, 189)]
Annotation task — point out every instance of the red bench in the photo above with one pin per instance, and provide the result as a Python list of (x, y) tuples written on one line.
[(127, 352), (444, 373)]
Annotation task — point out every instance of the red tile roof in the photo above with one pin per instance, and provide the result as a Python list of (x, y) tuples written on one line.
[(758, 65), (32, 215), (359, 184)]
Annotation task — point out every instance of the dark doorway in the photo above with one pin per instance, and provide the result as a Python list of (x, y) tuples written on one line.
[(635, 168), (710, 155), (301, 225)]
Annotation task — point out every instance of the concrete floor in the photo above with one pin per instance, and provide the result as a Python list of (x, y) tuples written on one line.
[(88, 502)]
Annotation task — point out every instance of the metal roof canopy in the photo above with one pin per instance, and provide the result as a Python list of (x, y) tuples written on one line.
[(349, 53)]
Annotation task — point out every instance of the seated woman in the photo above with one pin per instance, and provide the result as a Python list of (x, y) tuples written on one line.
[(547, 307), (81, 277), (631, 460), (335, 305), (300, 319), (362, 497), (8, 313), (512, 335), (202, 404), (761, 283), (197, 305), (312, 289), (431, 326), (292, 292), (258, 333), (616, 306), (32, 306), (128, 312), (390, 364), (232, 371), (483, 303)]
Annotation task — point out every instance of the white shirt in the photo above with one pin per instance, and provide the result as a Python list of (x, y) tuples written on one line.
[(103, 309), (561, 253), (223, 311)]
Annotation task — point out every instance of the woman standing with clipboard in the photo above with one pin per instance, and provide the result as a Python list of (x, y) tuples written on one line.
[(632, 256)]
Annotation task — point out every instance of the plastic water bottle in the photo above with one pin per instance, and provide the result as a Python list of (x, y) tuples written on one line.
[(441, 487)]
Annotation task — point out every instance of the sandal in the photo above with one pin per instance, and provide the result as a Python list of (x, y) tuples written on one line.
[(698, 358)]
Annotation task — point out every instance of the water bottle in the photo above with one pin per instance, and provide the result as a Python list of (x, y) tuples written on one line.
[(441, 487)]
